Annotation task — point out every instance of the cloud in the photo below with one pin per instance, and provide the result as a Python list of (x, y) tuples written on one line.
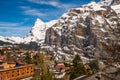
[(16, 28), (24, 7), (13, 26), (31, 11), (26, 19), (54, 3), (8, 24), (46, 14)]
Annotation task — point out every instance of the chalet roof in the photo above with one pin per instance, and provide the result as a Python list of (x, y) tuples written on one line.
[(2, 57), (60, 66)]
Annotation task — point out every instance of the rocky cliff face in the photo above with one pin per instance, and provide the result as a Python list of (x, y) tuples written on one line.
[(89, 30)]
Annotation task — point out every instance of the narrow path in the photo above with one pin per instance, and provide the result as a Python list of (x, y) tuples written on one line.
[(79, 77)]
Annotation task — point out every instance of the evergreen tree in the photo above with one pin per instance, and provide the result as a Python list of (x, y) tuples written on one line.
[(46, 75), (28, 58), (78, 68), (1, 52), (38, 60), (94, 65)]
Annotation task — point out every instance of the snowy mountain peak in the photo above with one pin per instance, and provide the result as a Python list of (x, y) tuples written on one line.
[(37, 33), (39, 21), (39, 25)]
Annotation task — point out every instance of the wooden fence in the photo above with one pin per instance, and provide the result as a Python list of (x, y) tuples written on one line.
[(17, 73)]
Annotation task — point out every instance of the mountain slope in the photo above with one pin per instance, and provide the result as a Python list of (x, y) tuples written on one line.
[(90, 30)]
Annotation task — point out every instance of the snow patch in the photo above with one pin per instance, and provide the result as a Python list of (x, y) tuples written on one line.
[(81, 37)]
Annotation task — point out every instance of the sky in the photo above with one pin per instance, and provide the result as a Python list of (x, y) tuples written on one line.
[(18, 16)]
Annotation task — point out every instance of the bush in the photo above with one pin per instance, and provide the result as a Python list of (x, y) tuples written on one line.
[(94, 65)]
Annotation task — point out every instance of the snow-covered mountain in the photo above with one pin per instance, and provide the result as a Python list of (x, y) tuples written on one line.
[(37, 33), (89, 30)]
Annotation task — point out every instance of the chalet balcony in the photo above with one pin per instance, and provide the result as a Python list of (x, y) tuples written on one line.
[(17, 73)]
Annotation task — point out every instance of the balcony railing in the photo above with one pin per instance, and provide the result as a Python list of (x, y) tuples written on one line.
[(17, 73)]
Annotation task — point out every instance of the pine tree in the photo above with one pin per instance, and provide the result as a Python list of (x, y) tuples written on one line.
[(28, 58), (1, 52), (94, 65), (38, 60), (78, 68)]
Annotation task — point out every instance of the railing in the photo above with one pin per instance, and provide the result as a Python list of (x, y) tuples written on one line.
[(17, 73)]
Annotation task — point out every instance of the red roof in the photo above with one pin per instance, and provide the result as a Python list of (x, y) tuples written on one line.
[(1, 57), (60, 66)]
